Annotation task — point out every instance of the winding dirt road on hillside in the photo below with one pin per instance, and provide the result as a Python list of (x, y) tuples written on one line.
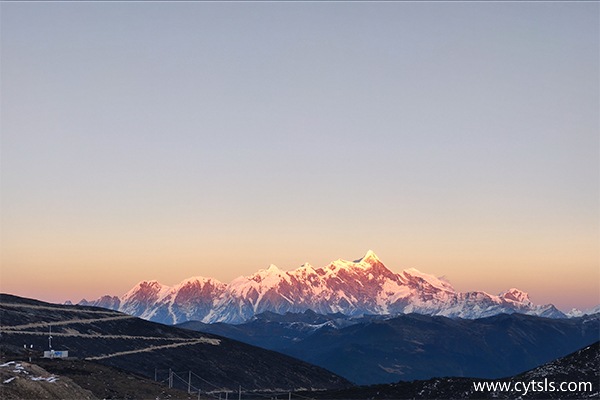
[(19, 330), (69, 322), (10, 305), (152, 348)]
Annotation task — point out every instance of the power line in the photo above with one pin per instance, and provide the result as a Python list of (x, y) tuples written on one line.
[(253, 393)]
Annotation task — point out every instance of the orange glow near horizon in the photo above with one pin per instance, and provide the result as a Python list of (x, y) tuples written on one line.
[(47, 274)]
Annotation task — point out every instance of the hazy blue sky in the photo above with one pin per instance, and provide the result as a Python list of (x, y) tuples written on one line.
[(166, 140)]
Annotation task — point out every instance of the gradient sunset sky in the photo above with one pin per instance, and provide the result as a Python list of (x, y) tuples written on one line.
[(151, 140)]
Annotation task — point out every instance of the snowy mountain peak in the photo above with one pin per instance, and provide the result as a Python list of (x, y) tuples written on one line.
[(147, 288), (432, 280), (366, 262), (578, 313), (273, 269), (370, 257), (150, 283), (198, 279), (516, 295), (575, 312), (264, 278)]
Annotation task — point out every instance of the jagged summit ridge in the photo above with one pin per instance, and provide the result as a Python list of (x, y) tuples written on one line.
[(363, 286)]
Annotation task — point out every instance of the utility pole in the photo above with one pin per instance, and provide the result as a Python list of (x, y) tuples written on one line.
[(170, 378), (190, 382), (240, 393), (155, 372), (50, 337)]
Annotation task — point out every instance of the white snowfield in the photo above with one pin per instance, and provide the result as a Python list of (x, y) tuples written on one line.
[(19, 369), (353, 288)]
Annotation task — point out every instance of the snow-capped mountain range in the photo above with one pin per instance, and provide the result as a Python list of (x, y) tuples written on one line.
[(364, 286)]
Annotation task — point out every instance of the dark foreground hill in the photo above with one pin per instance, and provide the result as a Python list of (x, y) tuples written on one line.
[(378, 349), (575, 376), (22, 380), (78, 380), (151, 349)]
